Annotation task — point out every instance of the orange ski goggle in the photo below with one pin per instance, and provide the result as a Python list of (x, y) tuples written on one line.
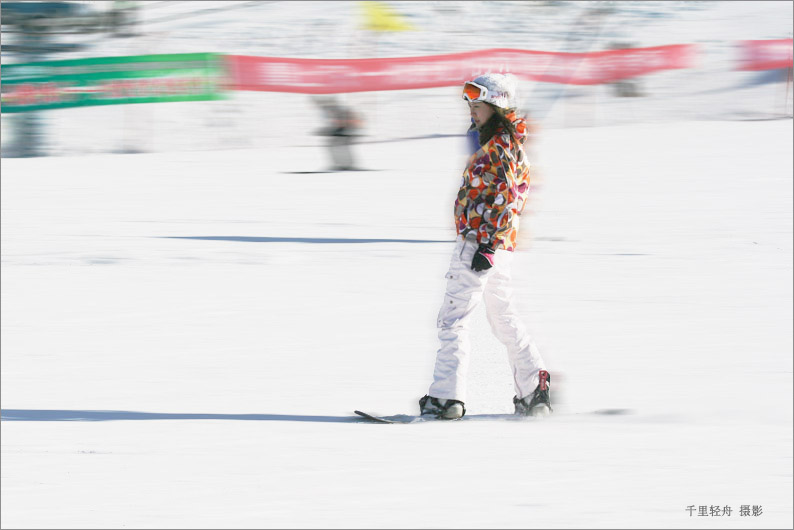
[(473, 92)]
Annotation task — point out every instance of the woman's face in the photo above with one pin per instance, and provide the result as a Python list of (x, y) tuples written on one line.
[(480, 112)]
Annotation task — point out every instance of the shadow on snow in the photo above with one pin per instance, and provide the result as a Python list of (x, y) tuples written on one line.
[(321, 240), (126, 415), (113, 415)]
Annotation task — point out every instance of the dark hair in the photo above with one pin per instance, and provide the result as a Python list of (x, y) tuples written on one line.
[(496, 120)]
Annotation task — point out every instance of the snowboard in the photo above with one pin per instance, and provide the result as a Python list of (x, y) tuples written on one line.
[(407, 418)]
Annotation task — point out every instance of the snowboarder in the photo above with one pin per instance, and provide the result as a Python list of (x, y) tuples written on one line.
[(343, 126), (492, 196)]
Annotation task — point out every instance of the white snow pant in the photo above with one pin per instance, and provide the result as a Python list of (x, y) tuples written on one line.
[(465, 289)]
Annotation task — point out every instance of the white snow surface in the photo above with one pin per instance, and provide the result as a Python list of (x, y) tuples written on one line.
[(655, 272), (186, 332)]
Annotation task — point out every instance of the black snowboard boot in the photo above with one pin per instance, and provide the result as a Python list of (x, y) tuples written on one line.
[(538, 403), (450, 409)]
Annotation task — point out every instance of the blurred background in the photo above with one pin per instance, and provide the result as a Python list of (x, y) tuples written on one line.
[(733, 63)]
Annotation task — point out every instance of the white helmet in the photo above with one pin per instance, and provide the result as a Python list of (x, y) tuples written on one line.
[(497, 89)]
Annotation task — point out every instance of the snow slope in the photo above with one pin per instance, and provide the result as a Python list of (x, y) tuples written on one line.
[(186, 332), (204, 326)]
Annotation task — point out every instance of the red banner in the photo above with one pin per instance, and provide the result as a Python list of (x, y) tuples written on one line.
[(327, 76), (766, 54)]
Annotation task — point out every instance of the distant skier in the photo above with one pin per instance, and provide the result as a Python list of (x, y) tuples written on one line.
[(343, 125), (492, 196)]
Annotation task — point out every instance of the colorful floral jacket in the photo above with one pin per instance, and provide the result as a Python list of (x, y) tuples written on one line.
[(494, 189)]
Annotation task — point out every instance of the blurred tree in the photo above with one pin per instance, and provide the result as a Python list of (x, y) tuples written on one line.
[(34, 26)]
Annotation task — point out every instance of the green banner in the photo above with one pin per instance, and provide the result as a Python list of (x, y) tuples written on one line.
[(111, 81)]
